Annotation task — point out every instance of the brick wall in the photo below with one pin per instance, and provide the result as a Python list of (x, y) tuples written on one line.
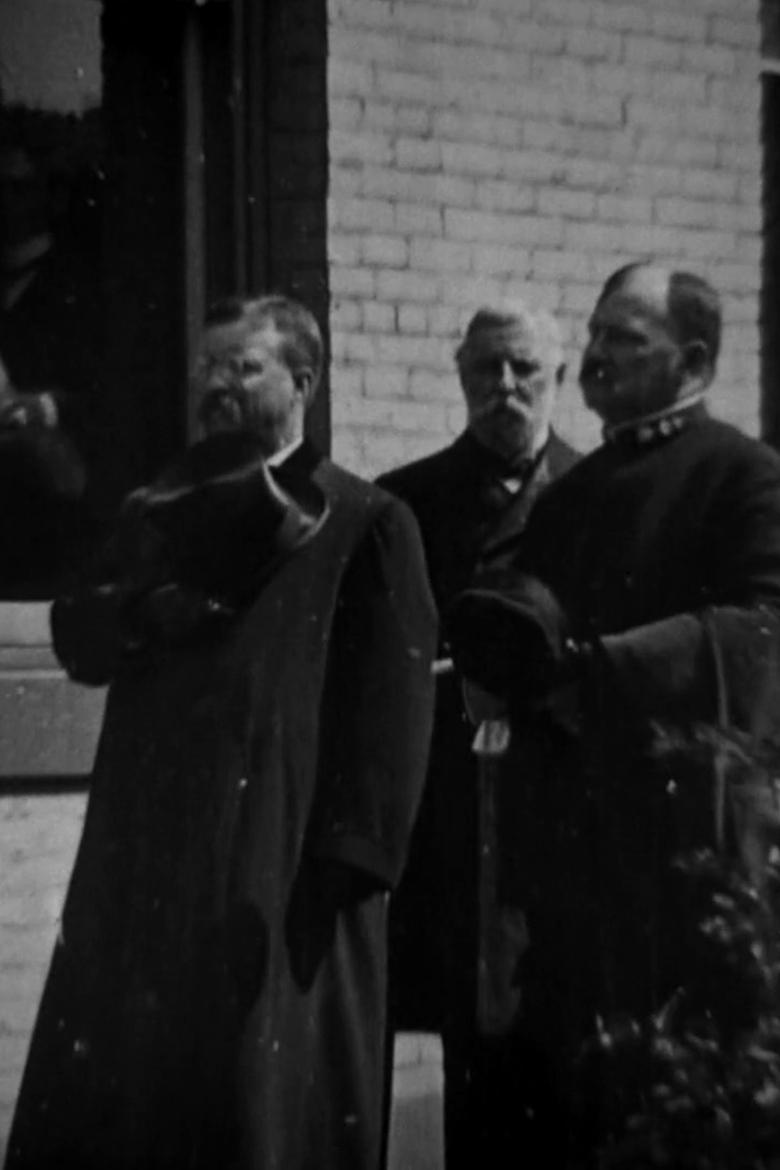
[(499, 147)]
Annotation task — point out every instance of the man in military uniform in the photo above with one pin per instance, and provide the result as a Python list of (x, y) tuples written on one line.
[(650, 577)]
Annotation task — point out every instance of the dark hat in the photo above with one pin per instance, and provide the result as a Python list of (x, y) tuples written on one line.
[(216, 520), (509, 635), (190, 551)]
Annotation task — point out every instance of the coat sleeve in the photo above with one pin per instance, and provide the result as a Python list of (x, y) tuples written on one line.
[(668, 669), (378, 709)]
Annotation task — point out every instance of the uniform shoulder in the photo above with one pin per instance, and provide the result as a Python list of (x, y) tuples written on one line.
[(732, 450)]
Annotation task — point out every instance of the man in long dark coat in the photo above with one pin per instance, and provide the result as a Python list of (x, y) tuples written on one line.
[(217, 992), (471, 499), (661, 550)]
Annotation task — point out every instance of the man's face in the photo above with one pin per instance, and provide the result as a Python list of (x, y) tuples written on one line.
[(633, 364), (243, 383), (509, 381)]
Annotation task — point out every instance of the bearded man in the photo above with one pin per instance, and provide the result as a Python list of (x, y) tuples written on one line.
[(472, 501)]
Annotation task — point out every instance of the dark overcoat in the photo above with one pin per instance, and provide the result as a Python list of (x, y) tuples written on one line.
[(216, 996), (468, 522), (653, 546)]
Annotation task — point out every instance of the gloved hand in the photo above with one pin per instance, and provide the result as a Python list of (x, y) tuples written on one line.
[(24, 408)]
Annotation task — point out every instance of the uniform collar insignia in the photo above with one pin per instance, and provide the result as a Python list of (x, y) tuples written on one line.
[(654, 428)]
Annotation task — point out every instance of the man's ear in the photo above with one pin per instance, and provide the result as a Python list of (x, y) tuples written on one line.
[(303, 379), (697, 365)]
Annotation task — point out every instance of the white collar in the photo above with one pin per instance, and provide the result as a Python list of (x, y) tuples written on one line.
[(284, 453)]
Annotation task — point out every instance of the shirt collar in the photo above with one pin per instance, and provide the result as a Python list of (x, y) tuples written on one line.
[(279, 457)]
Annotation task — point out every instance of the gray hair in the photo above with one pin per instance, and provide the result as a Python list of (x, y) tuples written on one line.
[(538, 323)]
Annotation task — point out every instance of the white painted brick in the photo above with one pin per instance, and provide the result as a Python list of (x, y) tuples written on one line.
[(413, 218), (741, 33), (439, 255), (467, 158), (569, 12), (580, 298), (351, 282), (420, 154), (596, 111), (709, 59), (351, 346), (736, 275), (561, 201), (593, 44), (346, 182), (350, 78), (361, 146), (549, 136), (685, 26), (646, 50), (444, 320), (402, 416), (345, 314), (377, 215), (536, 147), (428, 352), (501, 259), (456, 126), (742, 94), (594, 174), (413, 319), (426, 386), (665, 148), (673, 86), (563, 265), (710, 121), (349, 381), (402, 86), (608, 144), (388, 250), (406, 119), (703, 245), (655, 180), (346, 113), (378, 317), (502, 195), (480, 226), (344, 250), (611, 14), (385, 381), (654, 114), (540, 166), (562, 73), (711, 184), (407, 286), (624, 208), (687, 212)]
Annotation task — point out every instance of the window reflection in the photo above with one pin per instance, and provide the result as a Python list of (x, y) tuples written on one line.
[(51, 328)]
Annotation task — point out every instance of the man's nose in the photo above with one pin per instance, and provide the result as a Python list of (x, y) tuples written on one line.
[(506, 376), (595, 345)]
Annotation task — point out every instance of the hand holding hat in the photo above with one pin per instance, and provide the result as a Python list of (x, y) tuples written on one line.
[(510, 635)]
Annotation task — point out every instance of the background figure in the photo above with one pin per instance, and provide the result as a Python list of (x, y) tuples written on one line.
[(50, 349), (472, 500), (659, 545), (217, 992)]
